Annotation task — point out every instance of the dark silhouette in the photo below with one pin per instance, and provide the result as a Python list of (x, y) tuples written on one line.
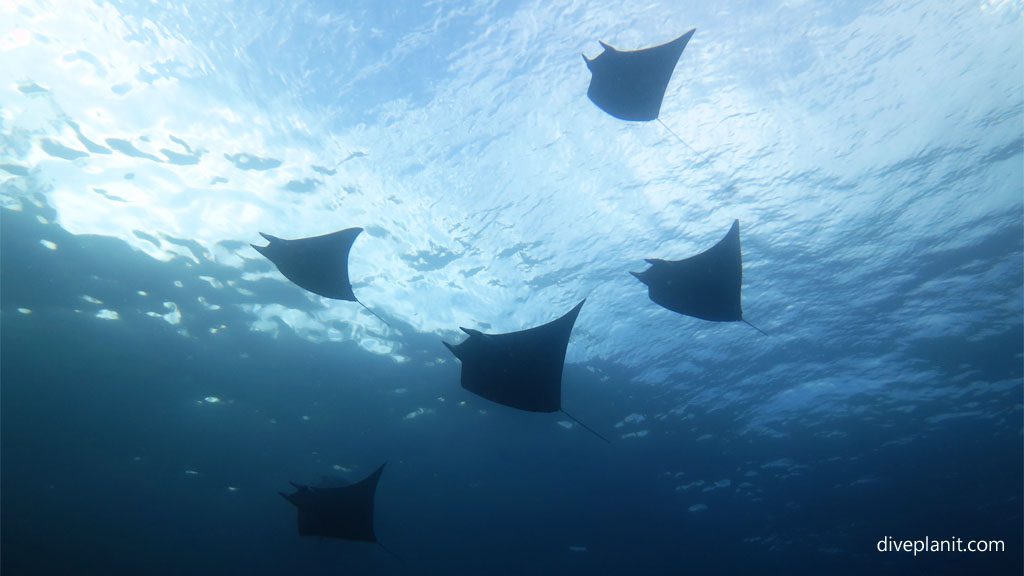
[(318, 264), (519, 369), (705, 286), (630, 84)]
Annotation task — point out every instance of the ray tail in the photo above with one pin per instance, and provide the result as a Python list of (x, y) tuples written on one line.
[(367, 308), (587, 428), (672, 132), (754, 327)]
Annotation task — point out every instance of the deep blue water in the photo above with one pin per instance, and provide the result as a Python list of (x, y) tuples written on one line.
[(160, 382)]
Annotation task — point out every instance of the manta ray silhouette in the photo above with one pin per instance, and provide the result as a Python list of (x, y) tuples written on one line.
[(342, 512), (630, 84), (519, 369), (318, 264), (705, 286)]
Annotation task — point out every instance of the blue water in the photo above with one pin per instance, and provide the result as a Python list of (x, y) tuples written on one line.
[(161, 381)]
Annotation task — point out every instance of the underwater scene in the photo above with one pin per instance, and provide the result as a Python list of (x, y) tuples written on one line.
[(511, 287)]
